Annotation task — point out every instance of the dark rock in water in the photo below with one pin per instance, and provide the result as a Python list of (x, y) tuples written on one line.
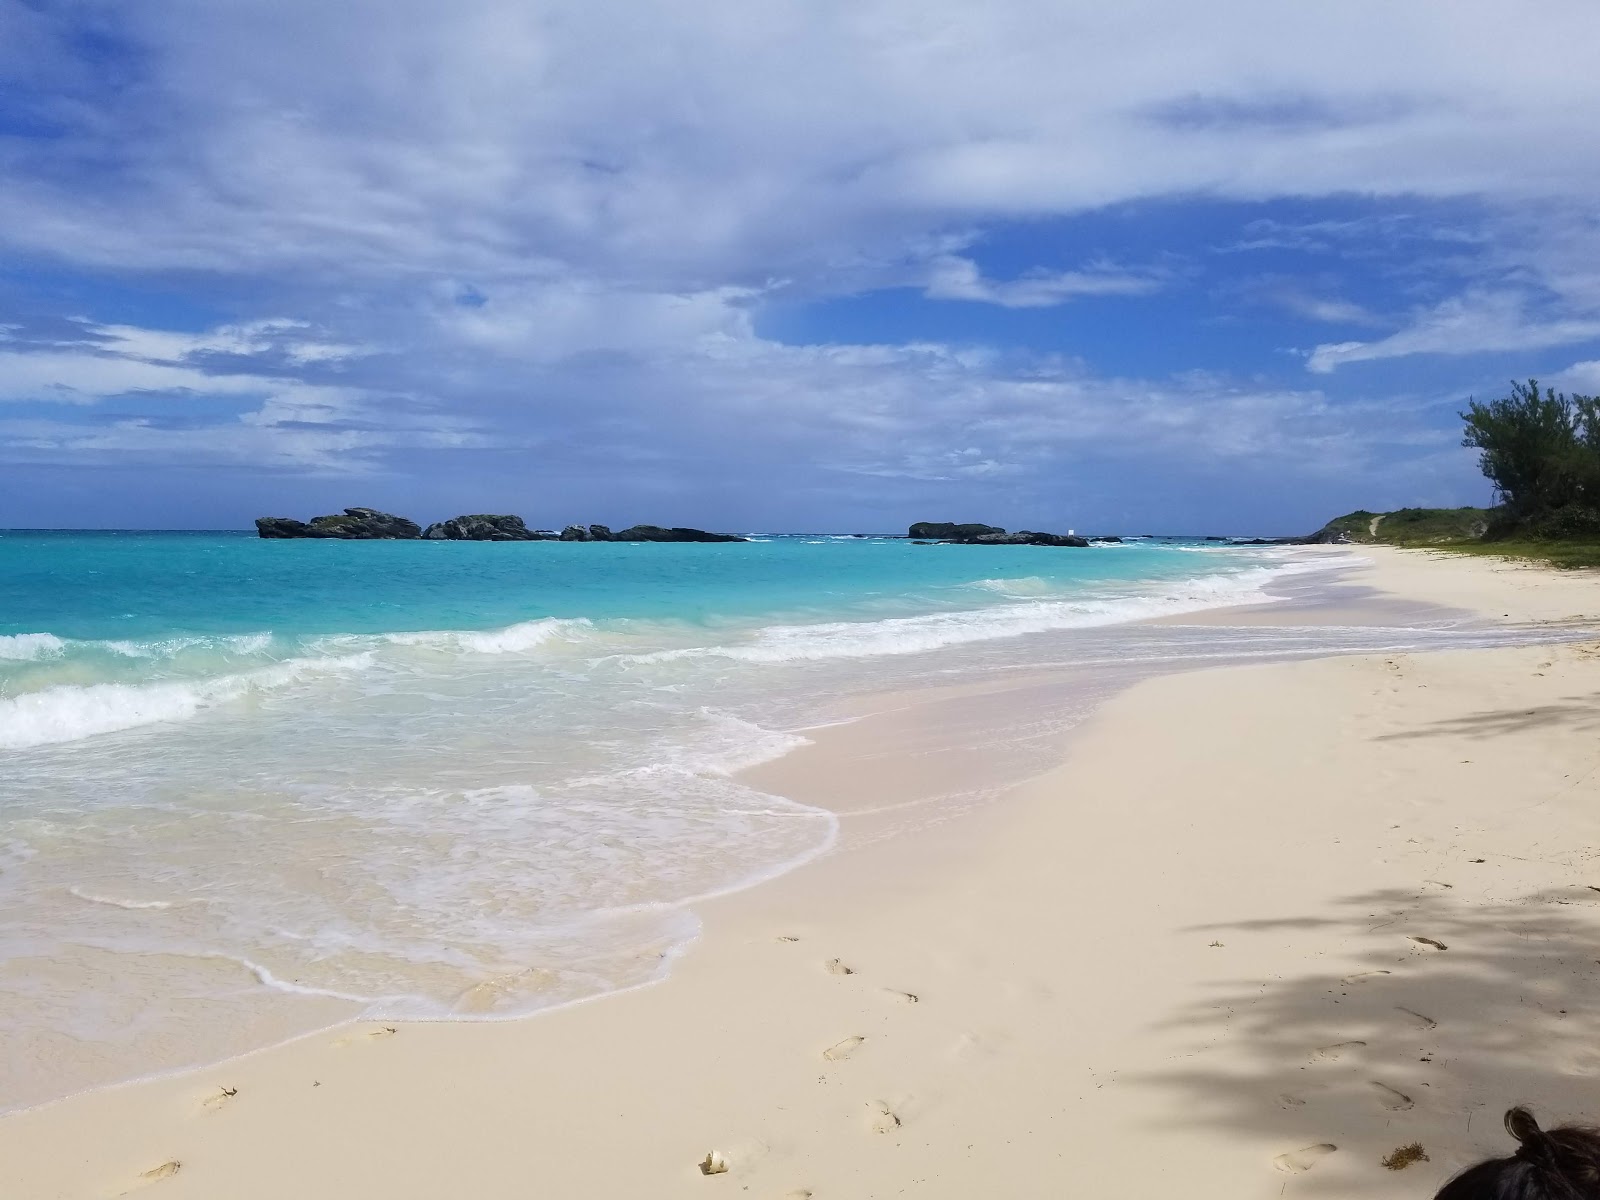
[(950, 531), (1279, 541), (1028, 537), (920, 542), (1106, 540), (655, 533), (481, 527), (366, 524), (988, 535), (586, 533), (283, 527), (1216, 539)]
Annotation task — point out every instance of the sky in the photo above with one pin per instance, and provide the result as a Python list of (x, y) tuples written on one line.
[(783, 264)]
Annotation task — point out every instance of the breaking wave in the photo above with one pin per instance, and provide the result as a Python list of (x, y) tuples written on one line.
[(73, 711), (935, 631)]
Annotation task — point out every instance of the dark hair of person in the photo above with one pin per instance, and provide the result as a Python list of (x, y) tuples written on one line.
[(1554, 1164)]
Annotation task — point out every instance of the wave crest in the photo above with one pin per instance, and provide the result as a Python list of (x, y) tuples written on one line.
[(936, 631), (26, 647), (71, 712)]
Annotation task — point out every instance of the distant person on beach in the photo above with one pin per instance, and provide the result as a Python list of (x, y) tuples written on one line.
[(1559, 1164)]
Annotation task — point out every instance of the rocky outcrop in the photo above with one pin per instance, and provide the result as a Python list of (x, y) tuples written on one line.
[(655, 533), (361, 524), (369, 523), (283, 527), (482, 527), (590, 533), (989, 535), (949, 531)]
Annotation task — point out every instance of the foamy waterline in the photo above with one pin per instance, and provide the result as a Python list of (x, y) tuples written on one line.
[(75, 711), (937, 631)]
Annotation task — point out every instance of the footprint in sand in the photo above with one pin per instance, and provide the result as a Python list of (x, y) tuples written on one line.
[(834, 967), (219, 1097), (1422, 1021), (785, 937), (1298, 1162), (1285, 1100), (881, 1118), (1391, 1099), (902, 997), (365, 1035), (1336, 1051), (1430, 943), (1363, 976), (155, 1174), (844, 1049)]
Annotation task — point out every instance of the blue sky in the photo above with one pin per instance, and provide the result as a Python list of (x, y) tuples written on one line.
[(1231, 267)]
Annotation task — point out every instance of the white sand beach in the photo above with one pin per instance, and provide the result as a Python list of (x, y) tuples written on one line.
[(1260, 927)]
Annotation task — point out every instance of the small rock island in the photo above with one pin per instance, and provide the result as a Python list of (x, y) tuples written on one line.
[(951, 533), (369, 524)]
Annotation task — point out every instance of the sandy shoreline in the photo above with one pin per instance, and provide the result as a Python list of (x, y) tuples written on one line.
[(1186, 951)]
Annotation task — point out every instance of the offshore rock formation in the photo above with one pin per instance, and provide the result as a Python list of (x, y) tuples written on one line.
[(587, 533), (370, 524), (989, 535), (654, 533), (482, 527), (362, 524), (949, 531)]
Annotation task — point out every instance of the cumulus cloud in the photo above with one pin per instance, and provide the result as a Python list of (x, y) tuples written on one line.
[(493, 224), (712, 138), (232, 394)]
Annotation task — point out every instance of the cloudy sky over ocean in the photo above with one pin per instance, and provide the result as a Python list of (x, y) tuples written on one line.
[(1151, 265)]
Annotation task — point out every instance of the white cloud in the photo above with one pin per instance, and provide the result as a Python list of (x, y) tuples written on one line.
[(1468, 324), (310, 425), (683, 147), (955, 278), (492, 217), (557, 320), (1580, 377), (1327, 308)]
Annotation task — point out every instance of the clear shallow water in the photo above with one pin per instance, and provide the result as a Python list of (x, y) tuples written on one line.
[(251, 787)]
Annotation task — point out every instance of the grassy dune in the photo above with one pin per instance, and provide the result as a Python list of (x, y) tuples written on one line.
[(1460, 530)]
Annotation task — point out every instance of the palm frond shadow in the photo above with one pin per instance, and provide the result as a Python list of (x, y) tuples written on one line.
[(1405, 1042)]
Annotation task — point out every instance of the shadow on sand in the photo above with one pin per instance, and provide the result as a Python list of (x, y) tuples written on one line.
[(1579, 713), (1406, 1041)]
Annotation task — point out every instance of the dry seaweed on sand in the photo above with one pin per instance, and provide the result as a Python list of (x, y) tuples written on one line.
[(1402, 1157)]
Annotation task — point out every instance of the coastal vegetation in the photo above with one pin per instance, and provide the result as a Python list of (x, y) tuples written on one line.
[(1541, 450)]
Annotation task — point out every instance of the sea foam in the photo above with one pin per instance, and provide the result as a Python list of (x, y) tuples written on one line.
[(513, 639), (26, 647), (69, 713), (936, 631)]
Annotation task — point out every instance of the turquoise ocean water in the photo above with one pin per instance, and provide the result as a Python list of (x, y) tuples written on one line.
[(253, 787)]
